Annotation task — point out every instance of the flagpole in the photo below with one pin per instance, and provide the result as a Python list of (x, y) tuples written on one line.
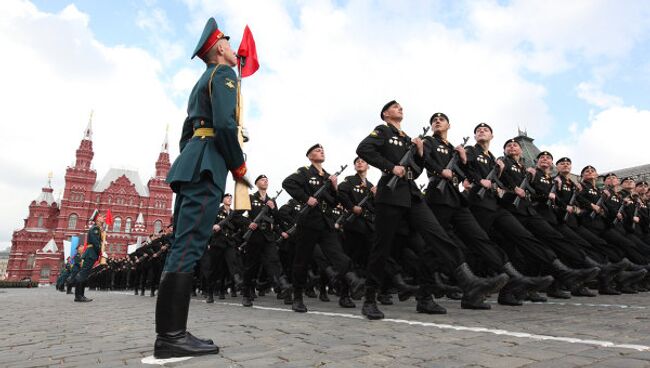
[(242, 200)]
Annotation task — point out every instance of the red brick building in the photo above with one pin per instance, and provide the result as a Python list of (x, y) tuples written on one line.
[(138, 210)]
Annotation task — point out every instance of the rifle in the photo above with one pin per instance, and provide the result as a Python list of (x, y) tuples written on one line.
[(453, 165), (320, 191), (599, 203), (572, 201), (525, 185), (407, 161), (362, 202), (259, 218), (636, 214), (619, 211), (492, 176), (549, 202)]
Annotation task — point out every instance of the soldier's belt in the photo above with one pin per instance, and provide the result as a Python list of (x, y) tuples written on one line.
[(204, 132)]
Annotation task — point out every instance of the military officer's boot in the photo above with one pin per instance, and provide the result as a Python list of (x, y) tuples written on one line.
[(69, 288), (344, 297), (357, 285), (404, 290), (475, 289), (298, 304), (572, 278), (172, 306), (440, 288), (210, 292), (153, 290), (322, 292), (286, 289), (625, 279), (369, 308)]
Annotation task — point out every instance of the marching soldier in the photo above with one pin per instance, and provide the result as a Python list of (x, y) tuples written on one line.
[(384, 149), (209, 148), (76, 266), (451, 210), (260, 249), (90, 256), (317, 226)]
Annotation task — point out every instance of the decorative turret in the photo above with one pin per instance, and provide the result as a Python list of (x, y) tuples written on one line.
[(162, 164), (85, 151), (139, 226)]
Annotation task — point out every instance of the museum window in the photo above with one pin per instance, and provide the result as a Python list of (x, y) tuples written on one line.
[(31, 259), (40, 221), (72, 221), (117, 225), (157, 226), (127, 225), (45, 272)]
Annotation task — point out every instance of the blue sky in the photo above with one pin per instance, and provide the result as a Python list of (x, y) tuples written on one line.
[(575, 75)]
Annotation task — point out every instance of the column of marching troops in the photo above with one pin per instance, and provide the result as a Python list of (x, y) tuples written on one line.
[(483, 225)]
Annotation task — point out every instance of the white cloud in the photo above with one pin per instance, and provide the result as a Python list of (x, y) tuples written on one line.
[(593, 95), (55, 71), (612, 140)]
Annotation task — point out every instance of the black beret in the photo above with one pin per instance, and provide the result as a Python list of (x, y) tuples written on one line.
[(437, 115), (609, 175), (260, 177), (627, 178), (511, 140), (544, 153), (483, 125), (386, 107), (356, 159), (563, 159), (585, 169), (642, 182), (317, 145)]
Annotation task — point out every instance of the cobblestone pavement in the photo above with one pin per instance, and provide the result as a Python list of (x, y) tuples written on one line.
[(42, 327)]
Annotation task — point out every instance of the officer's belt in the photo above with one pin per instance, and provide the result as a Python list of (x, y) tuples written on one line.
[(204, 132)]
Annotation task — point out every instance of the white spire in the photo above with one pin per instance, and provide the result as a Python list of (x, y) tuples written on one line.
[(50, 247), (88, 133), (140, 219), (165, 145)]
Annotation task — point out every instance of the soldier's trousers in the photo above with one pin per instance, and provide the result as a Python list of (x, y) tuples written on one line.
[(195, 209), (621, 243), (357, 246), (328, 240), (260, 252), (440, 252), (521, 241), (471, 234), (82, 276)]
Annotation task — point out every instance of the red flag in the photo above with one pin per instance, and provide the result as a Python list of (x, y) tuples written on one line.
[(109, 218), (248, 53)]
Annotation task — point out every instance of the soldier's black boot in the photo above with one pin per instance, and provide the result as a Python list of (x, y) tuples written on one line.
[(172, 306), (237, 281), (475, 289), (555, 291), (69, 288), (210, 292), (79, 291), (322, 293), (135, 289), (285, 287), (535, 297), (401, 285), (426, 304), (516, 290), (385, 298), (369, 308), (625, 279), (153, 291), (357, 285), (298, 304), (572, 278), (246, 299), (441, 288)]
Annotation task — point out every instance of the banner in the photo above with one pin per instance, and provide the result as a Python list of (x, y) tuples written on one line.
[(74, 242), (66, 249)]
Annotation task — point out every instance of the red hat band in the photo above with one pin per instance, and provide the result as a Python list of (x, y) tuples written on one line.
[(214, 37)]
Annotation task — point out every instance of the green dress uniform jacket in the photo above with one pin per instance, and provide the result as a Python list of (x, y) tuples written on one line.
[(211, 105)]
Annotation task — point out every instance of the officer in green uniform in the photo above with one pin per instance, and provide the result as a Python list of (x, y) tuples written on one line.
[(208, 150), (89, 257), (74, 269)]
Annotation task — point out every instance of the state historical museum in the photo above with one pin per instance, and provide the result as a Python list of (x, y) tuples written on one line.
[(138, 210)]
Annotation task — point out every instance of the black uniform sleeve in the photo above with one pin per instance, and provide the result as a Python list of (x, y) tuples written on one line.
[(294, 184), (369, 149)]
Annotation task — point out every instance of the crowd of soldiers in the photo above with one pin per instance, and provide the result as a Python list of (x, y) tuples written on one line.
[(483, 225)]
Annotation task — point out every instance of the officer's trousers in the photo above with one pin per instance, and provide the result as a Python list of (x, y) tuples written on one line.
[(260, 252), (195, 209)]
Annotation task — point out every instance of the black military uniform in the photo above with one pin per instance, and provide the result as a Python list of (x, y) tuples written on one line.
[(383, 149), (316, 227), (452, 211), (261, 251), (359, 232), (89, 257)]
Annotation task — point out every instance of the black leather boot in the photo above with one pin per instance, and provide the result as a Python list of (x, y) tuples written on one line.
[(357, 285), (298, 304), (385, 299), (69, 288), (322, 293), (172, 306), (583, 291), (246, 299), (554, 291), (210, 294), (516, 290), (426, 304), (153, 291), (475, 289), (534, 297), (572, 278), (286, 289), (625, 279), (369, 308), (441, 288), (402, 286)]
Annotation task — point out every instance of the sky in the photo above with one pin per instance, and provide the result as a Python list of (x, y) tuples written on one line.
[(575, 75)]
